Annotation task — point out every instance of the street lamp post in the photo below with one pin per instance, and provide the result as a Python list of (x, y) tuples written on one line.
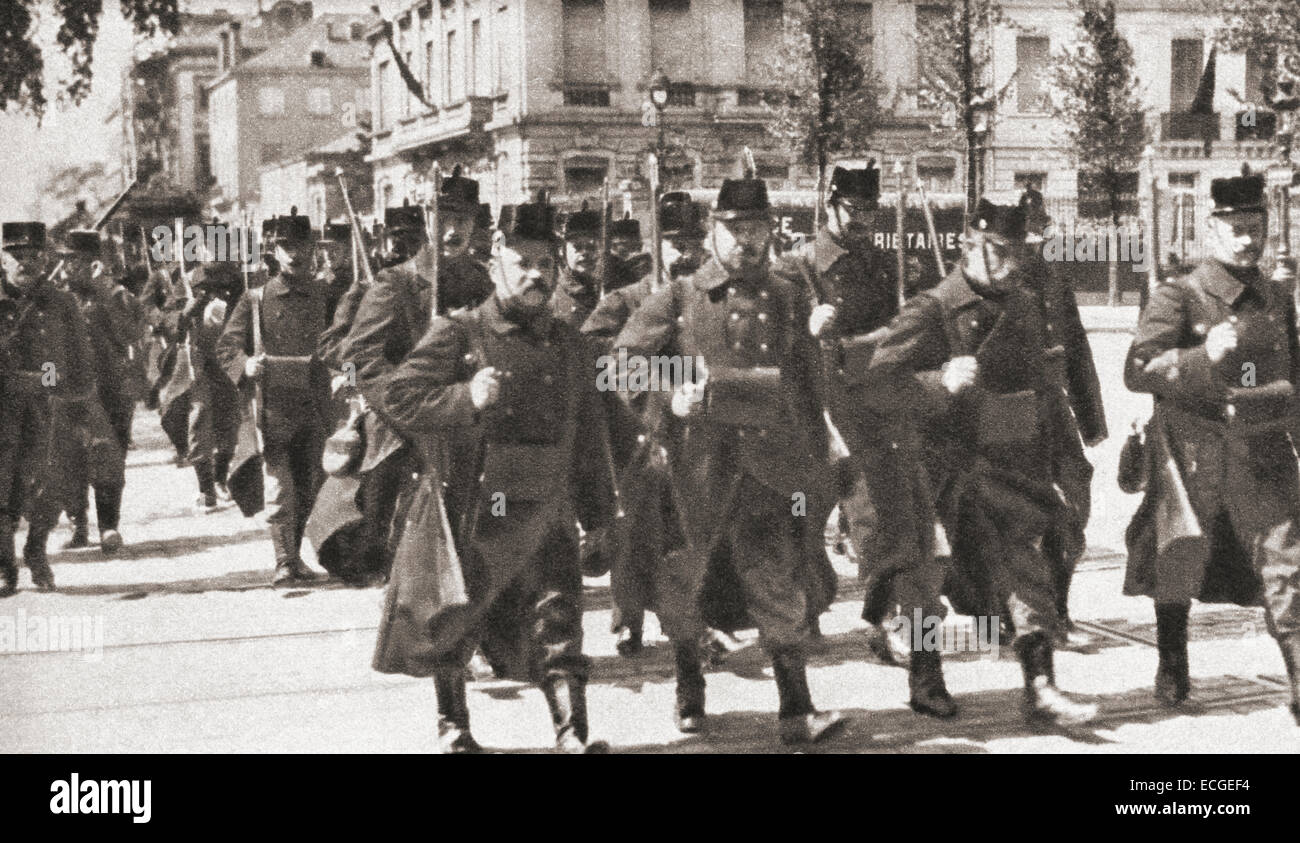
[(1284, 103), (659, 99), (981, 109)]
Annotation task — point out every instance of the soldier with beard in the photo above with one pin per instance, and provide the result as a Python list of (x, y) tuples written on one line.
[(970, 361), (886, 499), (626, 261), (650, 524), (289, 313), (108, 310), (751, 460), (46, 369), (510, 386), (1218, 350)]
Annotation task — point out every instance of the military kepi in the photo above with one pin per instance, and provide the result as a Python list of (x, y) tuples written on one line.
[(458, 194), (530, 221), (1005, 220), (742, 199), (83, 241), (403, 218), (679, 215), (861, 184), (23, 235), (1239, 193), (293, 228)]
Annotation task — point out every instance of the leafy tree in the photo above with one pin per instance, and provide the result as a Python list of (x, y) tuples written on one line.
[(1100, 108), (22, 60), (830, 103)]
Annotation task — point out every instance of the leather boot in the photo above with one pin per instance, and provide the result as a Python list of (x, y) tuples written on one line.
[(207, 500), (929, 694), (799, 722), (628, 642), (454, 737), (34, 559), (1043, 701), (289, 569), (220, 472), (1173, 683), (689, 714), (1290, 644), (8, 565), (567, 698), (80, 532)]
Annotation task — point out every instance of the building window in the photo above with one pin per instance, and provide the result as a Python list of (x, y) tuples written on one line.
[(500, 37), (381, 102), (674, 44), (585, 175), (677, 173), (270, 101), (590, 96), (271, 152), (775, 174), (1030, 181), (584, 40), (1255, 75), (1184, 72), (1033, 56), (318, 101), (451, 71), (430, 62), (356, 31), (475, 52), (764, 35), (938, 173), (1183, 186), (407, 98)]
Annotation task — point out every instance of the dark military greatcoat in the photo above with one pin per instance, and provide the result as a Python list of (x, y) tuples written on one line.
[(757, 449), (521, 474), (1226, 427)]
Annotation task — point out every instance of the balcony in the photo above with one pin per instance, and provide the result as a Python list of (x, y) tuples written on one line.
[(1186, 126)]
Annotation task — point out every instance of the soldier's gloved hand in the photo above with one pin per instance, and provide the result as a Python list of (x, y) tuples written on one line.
[(485, 387), (959, 374), (1221, 339), (687, 398), (255, 365), (823, 316)]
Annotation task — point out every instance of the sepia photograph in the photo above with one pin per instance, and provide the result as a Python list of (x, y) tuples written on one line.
[(709, 377)]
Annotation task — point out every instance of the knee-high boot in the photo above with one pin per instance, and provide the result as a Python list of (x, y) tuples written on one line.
[(454, 737), (1172, 680)]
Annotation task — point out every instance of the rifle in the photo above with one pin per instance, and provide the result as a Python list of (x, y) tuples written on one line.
[(929, 225), (179, 248), (358, 241), (899, 211), (602, 261), (431, 225), (656, 234)]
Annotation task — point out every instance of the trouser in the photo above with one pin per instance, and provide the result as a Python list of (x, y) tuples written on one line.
[(536, 620), (381, 489), (293, 475), (213, 426), (650, 527), (767, 557), (1008, 553), (891, 524), (25, 443), (108, 506)]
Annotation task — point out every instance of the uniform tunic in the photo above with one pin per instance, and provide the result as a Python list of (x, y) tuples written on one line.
[(46, 376), (535, 470), (1226, 425), (988, 447), (742, 474)]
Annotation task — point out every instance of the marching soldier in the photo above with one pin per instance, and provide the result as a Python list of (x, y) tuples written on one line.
[(579, 289), (46, 369), (511, 386), (289, 313), (334, 263), (971, 358), (751, 461), (626, 260), (650, 523), (888, 502), (391, 318), (1218, 350), (112, 328)]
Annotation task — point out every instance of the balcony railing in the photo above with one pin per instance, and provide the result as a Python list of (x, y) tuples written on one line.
[(1186, 126)]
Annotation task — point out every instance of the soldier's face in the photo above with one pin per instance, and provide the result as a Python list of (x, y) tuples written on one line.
[(457, 228), (524, 272), (683, 254), (623, 247), (989, 259), (742, 246), (405, 242), (580, 254), (295, 259), (22, 267), (1238, 239), (851, 218)]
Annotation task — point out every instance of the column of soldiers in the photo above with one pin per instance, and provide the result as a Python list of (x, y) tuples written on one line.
[(503, 450)]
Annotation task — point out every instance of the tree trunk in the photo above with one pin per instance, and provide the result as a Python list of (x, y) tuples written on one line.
[(1112, 266), (968, 117)]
